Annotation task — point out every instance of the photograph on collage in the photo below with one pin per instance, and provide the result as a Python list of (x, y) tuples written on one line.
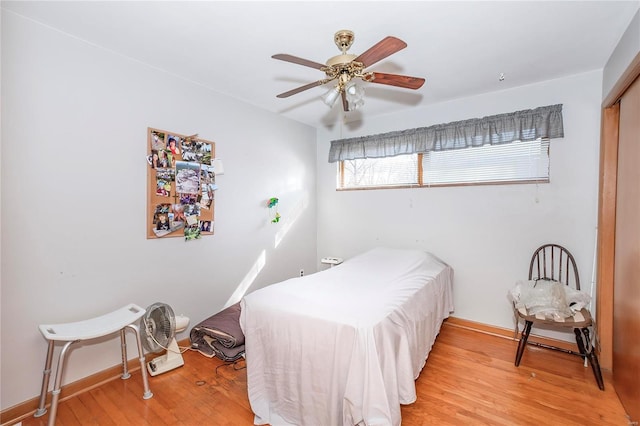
[(163, 188), (192, 232), (157, 141), (187, 177), (173, 144)]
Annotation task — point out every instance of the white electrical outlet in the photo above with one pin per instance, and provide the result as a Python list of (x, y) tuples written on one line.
[(302, 272)]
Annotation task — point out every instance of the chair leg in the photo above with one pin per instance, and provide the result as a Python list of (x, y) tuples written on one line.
[(143, 370), (46, 374), (523, 341), (581, 345), (125, 366), (55, 393), (593, 359)]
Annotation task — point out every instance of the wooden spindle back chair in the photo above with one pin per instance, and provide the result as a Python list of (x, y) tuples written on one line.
[(555, 263)]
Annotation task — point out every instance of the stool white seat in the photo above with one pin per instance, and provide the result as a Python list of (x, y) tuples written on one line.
[(74, 332)]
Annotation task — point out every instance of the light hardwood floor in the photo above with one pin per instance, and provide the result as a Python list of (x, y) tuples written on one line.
[(469, 379)]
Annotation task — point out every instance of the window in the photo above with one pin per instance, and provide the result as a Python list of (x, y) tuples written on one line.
[(401, 170), (503, 148), (516, 162)]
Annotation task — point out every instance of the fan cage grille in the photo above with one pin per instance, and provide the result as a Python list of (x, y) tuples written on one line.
[(157, 327)]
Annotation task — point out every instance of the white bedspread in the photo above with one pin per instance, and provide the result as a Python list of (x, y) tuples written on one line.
[(345, 345)]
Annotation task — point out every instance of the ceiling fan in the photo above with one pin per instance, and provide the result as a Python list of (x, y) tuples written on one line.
[(346, 67)]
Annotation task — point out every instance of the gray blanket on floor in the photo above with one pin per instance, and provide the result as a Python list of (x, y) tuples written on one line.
[(220, 335)]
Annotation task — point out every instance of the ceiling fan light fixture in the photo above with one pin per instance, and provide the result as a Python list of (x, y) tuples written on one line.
[(354, 105), (331, 97), (354, 91), (355, 95)]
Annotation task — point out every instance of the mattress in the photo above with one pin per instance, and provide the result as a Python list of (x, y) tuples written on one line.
[(345, 345)]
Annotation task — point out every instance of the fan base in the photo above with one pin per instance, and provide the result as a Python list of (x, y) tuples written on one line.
[(167, 362)]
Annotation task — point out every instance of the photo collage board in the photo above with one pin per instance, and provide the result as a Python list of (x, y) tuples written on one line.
[(181, 184)]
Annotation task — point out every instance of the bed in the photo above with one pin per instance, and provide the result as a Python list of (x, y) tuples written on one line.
[(345, 345)]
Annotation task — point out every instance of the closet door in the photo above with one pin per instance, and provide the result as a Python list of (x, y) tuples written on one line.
[(626, 310)]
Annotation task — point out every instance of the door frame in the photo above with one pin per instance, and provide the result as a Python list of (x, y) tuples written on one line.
[(607, 210)]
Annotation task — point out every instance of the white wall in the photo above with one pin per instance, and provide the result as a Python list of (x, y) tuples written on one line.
[(626, 50), (486, 233), (75, 119)]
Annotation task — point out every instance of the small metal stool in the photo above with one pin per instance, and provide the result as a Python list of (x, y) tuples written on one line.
[(74, 332)]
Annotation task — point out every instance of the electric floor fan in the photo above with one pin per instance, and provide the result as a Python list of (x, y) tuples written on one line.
[(158, 328)]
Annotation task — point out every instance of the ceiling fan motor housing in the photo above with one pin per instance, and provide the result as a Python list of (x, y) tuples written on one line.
[(341, 59)]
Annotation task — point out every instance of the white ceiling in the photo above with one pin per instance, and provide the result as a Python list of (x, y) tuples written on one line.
[(461, 48)]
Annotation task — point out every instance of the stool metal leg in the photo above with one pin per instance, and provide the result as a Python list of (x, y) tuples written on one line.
[(55, 394), (143, 368), (125, 366), (46, 373)]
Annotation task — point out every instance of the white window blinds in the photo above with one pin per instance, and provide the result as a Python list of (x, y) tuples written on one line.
[(520, 161)]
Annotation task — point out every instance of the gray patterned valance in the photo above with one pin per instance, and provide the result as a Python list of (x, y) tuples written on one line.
[(531, 124)]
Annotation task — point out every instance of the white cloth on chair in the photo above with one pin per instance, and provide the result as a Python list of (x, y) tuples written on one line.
[(548, 299)]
